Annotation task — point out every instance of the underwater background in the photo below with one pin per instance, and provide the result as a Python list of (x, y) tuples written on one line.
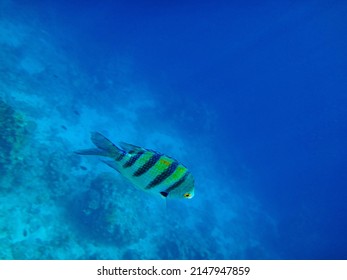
[(250, 95)]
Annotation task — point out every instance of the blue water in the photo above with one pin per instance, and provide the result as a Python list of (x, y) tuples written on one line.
[(251, 97)]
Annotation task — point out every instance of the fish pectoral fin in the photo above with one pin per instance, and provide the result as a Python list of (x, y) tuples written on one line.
[(164, 194), (112, 164)]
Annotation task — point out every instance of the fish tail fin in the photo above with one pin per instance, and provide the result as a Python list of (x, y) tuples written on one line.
[(113, 164), (104, 147), (92, 152)]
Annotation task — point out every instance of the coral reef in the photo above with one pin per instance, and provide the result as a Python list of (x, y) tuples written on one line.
[(102, 212), (13, 135)]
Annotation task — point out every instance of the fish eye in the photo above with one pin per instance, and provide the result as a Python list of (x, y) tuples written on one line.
[(187, 195)]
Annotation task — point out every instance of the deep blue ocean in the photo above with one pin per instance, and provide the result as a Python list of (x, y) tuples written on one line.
[(250, 96)]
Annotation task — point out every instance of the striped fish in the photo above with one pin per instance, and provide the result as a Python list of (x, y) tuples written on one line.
[(146, 169)]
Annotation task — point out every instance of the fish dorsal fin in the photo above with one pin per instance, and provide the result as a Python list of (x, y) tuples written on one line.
[(130, 147)]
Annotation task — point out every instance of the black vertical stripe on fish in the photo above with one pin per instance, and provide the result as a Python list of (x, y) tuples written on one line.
[(133, 159), (150, 163), (121, 156), (177, 184), (162, 176)]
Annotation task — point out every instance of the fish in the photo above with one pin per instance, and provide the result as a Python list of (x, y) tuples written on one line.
[(146, 169)]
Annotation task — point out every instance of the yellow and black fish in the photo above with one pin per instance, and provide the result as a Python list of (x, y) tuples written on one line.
[(146, 169)]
